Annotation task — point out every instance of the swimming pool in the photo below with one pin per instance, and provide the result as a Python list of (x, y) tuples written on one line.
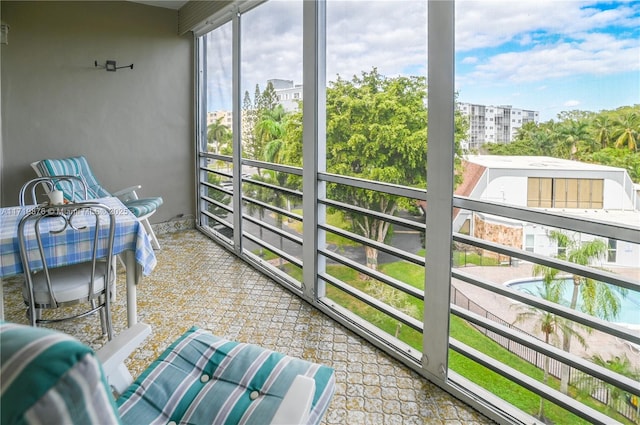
[(629, 305)]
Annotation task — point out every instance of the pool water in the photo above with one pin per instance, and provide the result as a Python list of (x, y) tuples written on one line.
[(629, 304)]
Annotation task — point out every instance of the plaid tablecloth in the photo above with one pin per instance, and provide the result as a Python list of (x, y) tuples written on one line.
[(129, 235)]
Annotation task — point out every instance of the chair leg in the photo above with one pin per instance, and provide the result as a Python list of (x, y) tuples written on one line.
[(34, 315), (154, 241), (107, 312), (103, 325)]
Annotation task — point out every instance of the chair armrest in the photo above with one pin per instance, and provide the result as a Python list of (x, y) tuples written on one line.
[(113, 354), (296, 404), (127, 193)]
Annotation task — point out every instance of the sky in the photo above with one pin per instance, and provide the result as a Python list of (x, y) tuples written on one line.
[(549, 56)]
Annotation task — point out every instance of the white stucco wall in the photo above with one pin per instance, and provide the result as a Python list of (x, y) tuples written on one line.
[(510, 186), (134, 126)]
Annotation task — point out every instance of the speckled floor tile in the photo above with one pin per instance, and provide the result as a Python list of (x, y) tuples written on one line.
[(198, 283)]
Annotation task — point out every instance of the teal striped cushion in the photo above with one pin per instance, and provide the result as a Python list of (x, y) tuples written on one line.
[(50, 377), (202, 378), (78, 166), (74, 166), (143, 206)]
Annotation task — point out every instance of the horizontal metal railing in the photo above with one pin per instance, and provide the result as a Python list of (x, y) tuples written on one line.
[(619, 231), (622, 232), (616, 231), (531, 384), (573, 268)]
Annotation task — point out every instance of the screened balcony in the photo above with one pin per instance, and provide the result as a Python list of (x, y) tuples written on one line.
[(491, 324), (426, 306), (322, 230)]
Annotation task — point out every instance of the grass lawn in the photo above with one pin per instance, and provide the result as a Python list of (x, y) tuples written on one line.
[(335, 219), (460, 258)]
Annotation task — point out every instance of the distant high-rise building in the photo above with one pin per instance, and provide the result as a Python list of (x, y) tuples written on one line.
[(494, 124)]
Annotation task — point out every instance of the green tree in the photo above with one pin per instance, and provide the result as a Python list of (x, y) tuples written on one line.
[(602, 128), (621, 158), (395, 299), (268, 98), (251, 148), (522, 147), (270, 130), (376, 130), (626, 130), (260, 193), (621, 365), (216, 197), (217, 134), (264, 122), (270, 127), (597, 298), (573, 138), (531, 140)]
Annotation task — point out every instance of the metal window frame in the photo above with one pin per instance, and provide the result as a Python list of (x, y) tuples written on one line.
[(440, 174)]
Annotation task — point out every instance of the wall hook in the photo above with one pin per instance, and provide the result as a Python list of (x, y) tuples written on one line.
[(111, 65)]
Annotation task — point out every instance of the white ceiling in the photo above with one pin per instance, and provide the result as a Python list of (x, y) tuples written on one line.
[(169, 4)]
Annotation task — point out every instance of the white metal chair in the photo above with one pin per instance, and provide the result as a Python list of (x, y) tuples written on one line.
[(142, 208), (72, 185), (49, 285)]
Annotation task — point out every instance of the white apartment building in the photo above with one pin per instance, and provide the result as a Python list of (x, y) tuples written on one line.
[(227, 118), (591, 191), (494, 124), (289, 94)]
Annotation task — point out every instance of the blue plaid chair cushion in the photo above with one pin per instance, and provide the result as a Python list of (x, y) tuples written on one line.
[(78, 166), (220, 382), (51, 378)]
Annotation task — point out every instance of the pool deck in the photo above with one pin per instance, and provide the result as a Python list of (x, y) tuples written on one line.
[(596, 342)]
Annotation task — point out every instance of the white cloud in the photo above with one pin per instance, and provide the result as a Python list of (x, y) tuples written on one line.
[(482, 24), (597, 54), (390, 35), (571, 103), (498, 42)]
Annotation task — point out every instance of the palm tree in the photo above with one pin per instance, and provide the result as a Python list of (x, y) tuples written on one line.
[(597, 298), (218, 196), (602, 128), (627, 130), (269, 127), (621, 365), (270, 124), (574, 138), (549, 324), (273, 152), (216, 133), (259, 193)]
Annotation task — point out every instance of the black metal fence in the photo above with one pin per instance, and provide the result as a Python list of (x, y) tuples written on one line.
[(581, 381)]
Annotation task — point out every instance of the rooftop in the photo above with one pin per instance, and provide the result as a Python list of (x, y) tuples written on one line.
[(199, 283), (536, 163)]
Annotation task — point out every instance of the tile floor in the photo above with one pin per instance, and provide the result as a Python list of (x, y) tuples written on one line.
[(198, 283)]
